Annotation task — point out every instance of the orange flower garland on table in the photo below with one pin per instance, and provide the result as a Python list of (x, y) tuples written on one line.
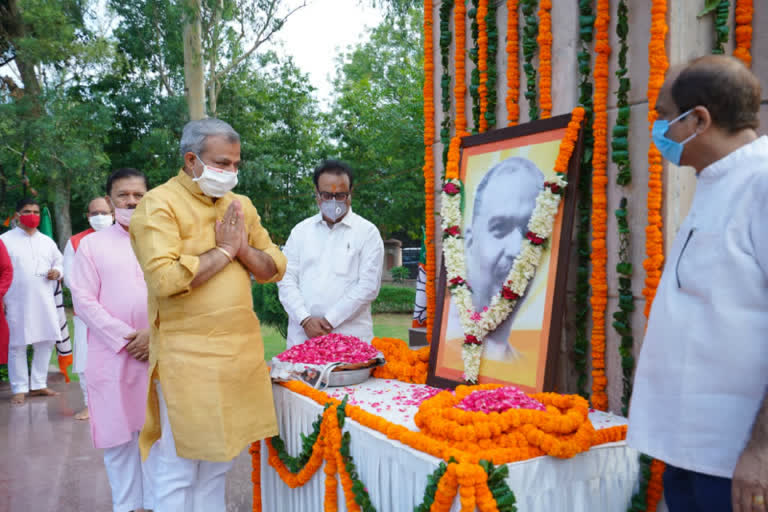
[(513, 64), (743, 32), (545, 58), (403, 364), (429, 163), (654, 240), (482, 61), (598, 281), (255, 452)]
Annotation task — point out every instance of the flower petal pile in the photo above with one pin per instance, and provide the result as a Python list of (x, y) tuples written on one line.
[(331, 348), (499, 400)]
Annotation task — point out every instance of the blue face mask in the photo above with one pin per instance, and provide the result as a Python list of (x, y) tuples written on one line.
[(670, 149)]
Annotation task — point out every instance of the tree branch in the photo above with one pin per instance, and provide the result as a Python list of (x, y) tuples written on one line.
[(261, 39)]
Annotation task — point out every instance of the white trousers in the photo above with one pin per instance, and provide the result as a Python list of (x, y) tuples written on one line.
[(185, 485), (129, 478), (83, 388), (19, 372)]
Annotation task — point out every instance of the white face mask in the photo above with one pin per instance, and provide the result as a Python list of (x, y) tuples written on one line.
[(215, 182), (99, 222)]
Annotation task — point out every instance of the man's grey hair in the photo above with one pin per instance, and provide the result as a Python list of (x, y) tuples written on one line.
[(197, 132), (512, 165)]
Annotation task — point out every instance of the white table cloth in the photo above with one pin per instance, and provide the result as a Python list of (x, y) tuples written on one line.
[(602, 479)]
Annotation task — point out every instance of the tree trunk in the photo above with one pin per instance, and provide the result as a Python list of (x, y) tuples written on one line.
[(194, 74), (213, 88), (60, 188)]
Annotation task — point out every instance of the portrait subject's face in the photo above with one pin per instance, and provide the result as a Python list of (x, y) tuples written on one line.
[(500, 218)]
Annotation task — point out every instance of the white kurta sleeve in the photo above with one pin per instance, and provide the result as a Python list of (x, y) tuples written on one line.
[(367, 287), (288, 288), (69, 261)]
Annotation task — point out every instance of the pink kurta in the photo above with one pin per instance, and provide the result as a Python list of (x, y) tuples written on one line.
[(110, 296)]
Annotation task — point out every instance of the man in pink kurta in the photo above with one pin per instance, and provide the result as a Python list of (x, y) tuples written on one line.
[(110, 296)]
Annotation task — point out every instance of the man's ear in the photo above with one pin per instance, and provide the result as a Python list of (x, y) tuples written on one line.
[(703, 118)]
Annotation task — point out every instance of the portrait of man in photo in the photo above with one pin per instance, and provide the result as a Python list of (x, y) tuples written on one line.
[(503, 205)]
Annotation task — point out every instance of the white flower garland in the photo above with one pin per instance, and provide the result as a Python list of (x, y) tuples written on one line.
[(477, 324)]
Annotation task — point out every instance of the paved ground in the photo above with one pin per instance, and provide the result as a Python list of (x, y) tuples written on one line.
[(48, 463)]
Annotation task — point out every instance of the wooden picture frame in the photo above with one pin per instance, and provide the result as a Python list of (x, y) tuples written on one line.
[(532, 365)]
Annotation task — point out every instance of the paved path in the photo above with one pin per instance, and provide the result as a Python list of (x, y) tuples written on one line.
[(48, 463)]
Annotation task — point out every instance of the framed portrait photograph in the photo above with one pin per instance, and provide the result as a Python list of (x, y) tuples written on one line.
[(502, 174)]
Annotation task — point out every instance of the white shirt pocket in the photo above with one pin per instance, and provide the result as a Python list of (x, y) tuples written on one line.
[(344, 261), (699, 260)]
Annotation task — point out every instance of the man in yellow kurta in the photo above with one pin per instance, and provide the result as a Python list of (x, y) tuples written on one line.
[(210, 393)]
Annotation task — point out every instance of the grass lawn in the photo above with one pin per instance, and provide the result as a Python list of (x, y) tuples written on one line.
[(384, 325)]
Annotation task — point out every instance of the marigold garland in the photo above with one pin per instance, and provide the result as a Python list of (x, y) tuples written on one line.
[(460, 82), (655, 485), (429, 164), (255, 451), (513, 64), (743, 31), (402, 364), (584, 207), (482, 62), (598, 281), (654, 239), (545, 58)]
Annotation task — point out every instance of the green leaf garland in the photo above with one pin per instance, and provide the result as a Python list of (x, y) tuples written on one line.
[(530, 46), (622, 319), (446, 7), (295, 464), (581, 299), (639, 503), (474, 82), (721, 26), (497, 484), (429, 493), (493, 50)]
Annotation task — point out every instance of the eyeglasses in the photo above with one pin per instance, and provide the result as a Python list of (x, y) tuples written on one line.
[(339, 196)]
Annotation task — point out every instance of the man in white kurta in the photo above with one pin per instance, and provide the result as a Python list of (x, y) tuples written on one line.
[(99, 216), (334, 264), (29, 304), (699, 401)]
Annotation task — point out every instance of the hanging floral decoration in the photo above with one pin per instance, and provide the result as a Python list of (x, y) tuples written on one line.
[(477, 324), (482, 63), (474, 57), (743, 32), (492, 74), (530, 31), (513, 64), (445, 81), (622, 322), (721, 10), (598, 281), (460, 84), (255, 451), (584, 204), (544, 40), (429, 164)]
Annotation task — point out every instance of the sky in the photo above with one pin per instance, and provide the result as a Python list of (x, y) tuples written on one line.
[(315, 34)]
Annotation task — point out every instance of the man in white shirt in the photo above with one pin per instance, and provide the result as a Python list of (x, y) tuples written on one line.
[(100, 217), (334, 264), (699, 400), (30, 307)]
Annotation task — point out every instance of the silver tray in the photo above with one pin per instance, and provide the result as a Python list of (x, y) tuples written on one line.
[(349, 377)]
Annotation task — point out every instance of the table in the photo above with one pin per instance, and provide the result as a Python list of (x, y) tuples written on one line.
[(602, 479)]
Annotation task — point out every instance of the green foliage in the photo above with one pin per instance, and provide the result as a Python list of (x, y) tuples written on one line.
[(394, 299), (497, 476), (400, 274), (530, 46), (638, 503), (295, 464), (429, 492), (492, 75), (268, 308), (446, 8), (377, 121), (474, 77)]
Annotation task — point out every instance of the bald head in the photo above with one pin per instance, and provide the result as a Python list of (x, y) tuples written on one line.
[(721, 84)]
